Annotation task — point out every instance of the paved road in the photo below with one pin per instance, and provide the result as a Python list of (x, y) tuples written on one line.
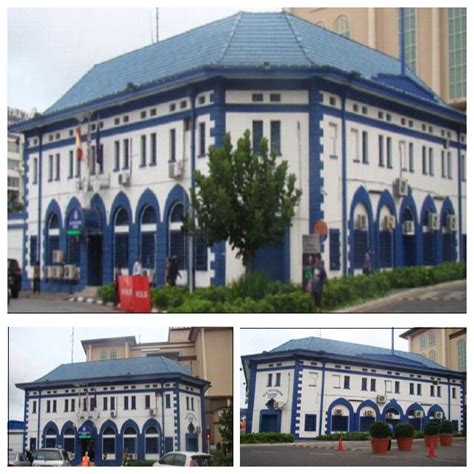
[(53, 304), (357, 453), (447, 298)]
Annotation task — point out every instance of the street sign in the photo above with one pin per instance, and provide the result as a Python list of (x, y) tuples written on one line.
[(311, 244)]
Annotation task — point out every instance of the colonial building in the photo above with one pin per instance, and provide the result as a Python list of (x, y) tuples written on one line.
[(315, 386), (143, 406), (380, 157), (205, 352)]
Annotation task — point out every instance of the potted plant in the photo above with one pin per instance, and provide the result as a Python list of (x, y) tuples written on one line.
[(404, 432), (446, 433), (380, 433), (430, 433)]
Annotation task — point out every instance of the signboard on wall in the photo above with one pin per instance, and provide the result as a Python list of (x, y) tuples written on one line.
[(311, 247)]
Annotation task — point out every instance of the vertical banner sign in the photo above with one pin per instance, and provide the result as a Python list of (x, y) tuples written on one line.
[(134, 294), (311, 246)]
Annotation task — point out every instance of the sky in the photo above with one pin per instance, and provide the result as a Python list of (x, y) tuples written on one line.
[(35, 351), (50, 49), (254, 341)]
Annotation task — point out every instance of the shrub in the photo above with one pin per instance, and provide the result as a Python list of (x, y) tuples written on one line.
[(168, 297), (139, 463), (446, 427), (220, 459), (380, 430), (404, 430), (107, 293), (255, 286), (351, 436), (431, 429), (257, 438)]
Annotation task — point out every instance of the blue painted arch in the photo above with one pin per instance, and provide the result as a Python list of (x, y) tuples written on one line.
[(393, 405), (408, 206), (121, 201), (139, 438), (100, 445), (434, 408), (50, 425), (385, 200), (365, 404), (447, 209), (433, 239), (345, 403), (152, 422)]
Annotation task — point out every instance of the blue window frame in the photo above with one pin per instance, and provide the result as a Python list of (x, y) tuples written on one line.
[(257, 135), (33, 249), (275, 137), (143, 150), (202, 139), (108, 441), (121, 250), (116, 155), (381, 151), (151, 440), (310, 423), (178, 247), (126, 154), (153, 149), (339, 423), (200, 252), (360, 246), (386, 248), (365, 147), (334, 249), (172, 145)]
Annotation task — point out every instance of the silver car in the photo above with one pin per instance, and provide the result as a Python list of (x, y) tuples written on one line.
[(51, 457), (17, 459), (185, 458)]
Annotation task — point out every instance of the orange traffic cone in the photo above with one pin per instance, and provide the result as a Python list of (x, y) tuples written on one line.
[(340, 446), (431, 450)]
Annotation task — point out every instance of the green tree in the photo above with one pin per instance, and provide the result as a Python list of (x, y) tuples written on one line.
[(226, 428), (247, 199)]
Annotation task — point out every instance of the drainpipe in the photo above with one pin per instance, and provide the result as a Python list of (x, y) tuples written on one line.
[(344, 188)]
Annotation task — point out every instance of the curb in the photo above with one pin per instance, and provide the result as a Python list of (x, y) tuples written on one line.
[(396, 296)]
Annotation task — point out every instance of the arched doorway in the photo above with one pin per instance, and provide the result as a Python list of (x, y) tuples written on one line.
[(121, 227), (177, 238), (148, 230), (52, 242), (448, 223), (408, 225)]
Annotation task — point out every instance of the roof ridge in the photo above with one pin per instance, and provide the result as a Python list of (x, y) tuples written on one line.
[(231, 36), (297, 37)]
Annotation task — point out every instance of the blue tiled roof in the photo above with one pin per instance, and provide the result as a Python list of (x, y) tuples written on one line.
[(137, 366), (241, 40), (379, 354)]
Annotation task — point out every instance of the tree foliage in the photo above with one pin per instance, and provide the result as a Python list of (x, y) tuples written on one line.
[(226, 428), (247, 199)]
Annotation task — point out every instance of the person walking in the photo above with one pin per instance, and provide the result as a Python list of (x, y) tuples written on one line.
[(172, 271), (36, 278), (137, 267), (86, 460), (317, 282), (125, 457), (367, 269)]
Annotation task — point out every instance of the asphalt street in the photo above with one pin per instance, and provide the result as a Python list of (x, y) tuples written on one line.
[(53, 304), (445, 298), (356, 453)]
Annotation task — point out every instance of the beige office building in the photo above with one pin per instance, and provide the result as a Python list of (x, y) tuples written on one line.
[(206, 352), (446, 346), (434, 40)]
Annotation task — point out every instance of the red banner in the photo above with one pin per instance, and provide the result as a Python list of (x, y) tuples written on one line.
[(134, 294)]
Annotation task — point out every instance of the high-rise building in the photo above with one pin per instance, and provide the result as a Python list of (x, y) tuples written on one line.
[(433, 40)]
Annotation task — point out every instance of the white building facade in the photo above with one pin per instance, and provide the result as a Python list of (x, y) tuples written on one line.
[(380, 159), (313, 386), (143, 406)]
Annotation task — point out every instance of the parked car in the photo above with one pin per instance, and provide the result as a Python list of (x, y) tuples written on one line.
[(14, 277), (17, 459), (51, 457), (185, 458)]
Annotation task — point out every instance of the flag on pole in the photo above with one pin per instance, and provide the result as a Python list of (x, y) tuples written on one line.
[(78, 144), (98, 148), (89, 151)]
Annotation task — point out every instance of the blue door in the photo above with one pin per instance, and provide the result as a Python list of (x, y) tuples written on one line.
[(94, 260), (269, 423), (191, 442), (270, 260)]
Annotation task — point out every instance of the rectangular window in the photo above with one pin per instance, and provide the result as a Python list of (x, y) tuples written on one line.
[(172, 145), (105, 403), (347, 382), (365, 148), (33, 249), (411, 158), (202, 139), (278, 379), (192, 404), (71, 165), (147, 401), (364, 384), (126, 154), (373, 385), (34, 406), (58, 169), (93, 159), (73, 405), (116, 155), (50, 167), (449, 165), (337, 381), (432, 390), (103, 355), (35, 170), (54, 406), (125, 403), (310, 423), (454, 394), (143, 150), (257, 135), (381, 151), (389, 153), (334, 249), (48, 406), (412, 388), (275, 137), (168, 401), (424, 160), (403, 155), (333, 140), (66, 405), (112, 403), (113, 354), (431, 161), (269, 380), (200, 252), (313, 379), (410, 32), (418, 388), (153, 149), (257, 97), (134, 402), (355, 145), (187, 403), (438, 389), (422, 341), (397, 387), (462, 171)]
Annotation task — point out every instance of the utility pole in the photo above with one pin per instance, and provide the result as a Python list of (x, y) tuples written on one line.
[(72, 346)]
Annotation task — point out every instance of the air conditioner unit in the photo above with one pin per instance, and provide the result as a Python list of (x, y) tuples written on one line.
[(338, 412), (113, 414), (124, 179), (368, 413), (408, 228), (433, 221), (418, 414), (451, 223), (438, 415), (389, 415), (48, 272), (70, 272), (58, 272), (401, 187), (152, 412), (131, 456), (381, 399), (58, 256), (280, 405), (389, 222), (175, 169), (361, 222)]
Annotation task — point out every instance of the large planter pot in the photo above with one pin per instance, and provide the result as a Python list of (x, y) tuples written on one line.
[(446, 439), (431, 439), (379, 446), (404, 444)]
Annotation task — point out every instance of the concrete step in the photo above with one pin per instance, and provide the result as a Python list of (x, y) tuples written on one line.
[(87, 292)]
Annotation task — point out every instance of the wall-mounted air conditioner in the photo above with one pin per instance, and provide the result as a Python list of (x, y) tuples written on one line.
[(124, 179), (338, 412), (58, 272), (438, 415), (361, 222), (401, 187), (418, 414), (113, 414), (70, 272), (408, 228), (381, 399), (433, 221), (152, 412), (451, 223), (388, 222), (58, 256), (368, 413), (175, 169)]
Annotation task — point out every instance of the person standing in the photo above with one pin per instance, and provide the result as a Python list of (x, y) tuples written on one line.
[(367, 269), (317, 282), (118, 273), (137, 267), (36, 278), (172, 271), (86, 460)]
